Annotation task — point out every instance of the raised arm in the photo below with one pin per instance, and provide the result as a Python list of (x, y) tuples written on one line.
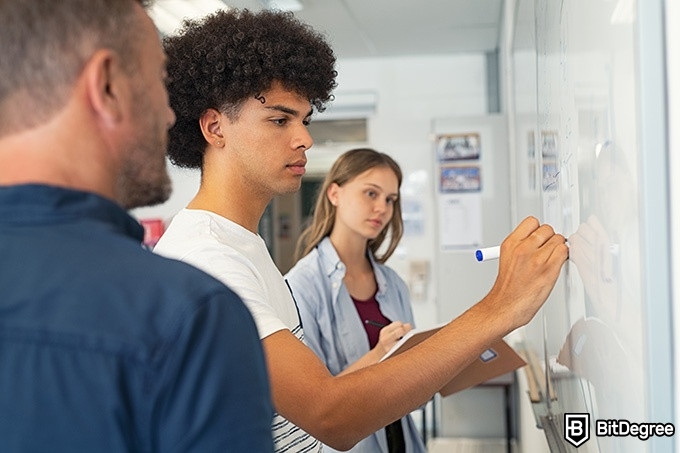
[(342, 410)]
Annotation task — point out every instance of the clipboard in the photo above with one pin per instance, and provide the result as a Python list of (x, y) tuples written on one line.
[(495, 361)]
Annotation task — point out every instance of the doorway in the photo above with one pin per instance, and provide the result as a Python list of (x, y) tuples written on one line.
[(285, 218)]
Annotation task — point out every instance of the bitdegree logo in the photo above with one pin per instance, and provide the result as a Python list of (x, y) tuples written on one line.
[(577, 429), (623, 428)]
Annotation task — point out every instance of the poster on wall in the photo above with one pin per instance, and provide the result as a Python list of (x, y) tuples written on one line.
[(460, 190), (460, 178), (460, 217), (452, 147)]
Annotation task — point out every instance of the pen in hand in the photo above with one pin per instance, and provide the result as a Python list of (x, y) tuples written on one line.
[(374, 323), (493, 253), (488, 253)]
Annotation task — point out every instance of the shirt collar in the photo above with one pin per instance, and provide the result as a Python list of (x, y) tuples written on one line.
[(329, 257), (331, 263), (37, 203)]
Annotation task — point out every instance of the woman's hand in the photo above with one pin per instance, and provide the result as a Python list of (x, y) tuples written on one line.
[(391, 334)]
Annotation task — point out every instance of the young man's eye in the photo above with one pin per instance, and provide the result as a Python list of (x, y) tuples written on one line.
[(279, 121)]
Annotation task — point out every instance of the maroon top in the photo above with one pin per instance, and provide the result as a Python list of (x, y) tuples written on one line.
[(371, 317), (373, 320)]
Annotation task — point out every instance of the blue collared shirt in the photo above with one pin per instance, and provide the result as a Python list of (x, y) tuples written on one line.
[(106, 347), (333, 329)]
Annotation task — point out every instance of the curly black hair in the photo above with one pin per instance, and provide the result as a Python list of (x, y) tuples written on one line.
[(230, 56)]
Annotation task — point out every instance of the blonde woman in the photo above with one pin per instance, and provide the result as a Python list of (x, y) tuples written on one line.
[(353, 307)]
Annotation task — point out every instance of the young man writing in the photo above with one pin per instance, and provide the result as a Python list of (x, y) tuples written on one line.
[(243, 86)]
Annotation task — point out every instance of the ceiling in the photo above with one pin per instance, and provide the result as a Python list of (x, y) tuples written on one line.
[(386, 28)]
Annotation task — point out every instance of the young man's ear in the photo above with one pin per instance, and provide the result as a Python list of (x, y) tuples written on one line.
[(210, 122), (107, 85)]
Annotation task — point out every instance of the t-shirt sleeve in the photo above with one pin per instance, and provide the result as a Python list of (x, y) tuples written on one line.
[(245, 279), (242, 277)]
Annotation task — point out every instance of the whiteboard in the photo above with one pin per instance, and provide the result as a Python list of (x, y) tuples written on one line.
[(589, 152)]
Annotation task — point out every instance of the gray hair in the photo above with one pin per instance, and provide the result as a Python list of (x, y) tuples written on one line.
[(46, 44)]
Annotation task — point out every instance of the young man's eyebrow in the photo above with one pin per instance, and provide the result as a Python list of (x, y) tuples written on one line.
[(288, 110)]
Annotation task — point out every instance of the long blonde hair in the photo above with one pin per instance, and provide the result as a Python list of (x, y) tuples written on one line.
[(349, 165)]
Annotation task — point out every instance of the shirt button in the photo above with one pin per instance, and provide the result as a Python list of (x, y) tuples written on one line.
[(335, 284), (339, 266)]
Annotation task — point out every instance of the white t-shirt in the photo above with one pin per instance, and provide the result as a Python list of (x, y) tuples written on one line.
[(240, 259)]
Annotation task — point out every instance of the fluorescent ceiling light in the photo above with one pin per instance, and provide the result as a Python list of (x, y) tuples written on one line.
[(169, 14), (624, 12), (283, 5)]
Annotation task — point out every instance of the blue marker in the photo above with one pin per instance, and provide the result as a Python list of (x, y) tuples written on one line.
[(493, 253), (488, 253)]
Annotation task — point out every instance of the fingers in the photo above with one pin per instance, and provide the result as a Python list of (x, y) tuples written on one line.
[(530, 237), (525, 228), (530, 263), (394, 331), (557, 250), (529, 231), (397, 329)]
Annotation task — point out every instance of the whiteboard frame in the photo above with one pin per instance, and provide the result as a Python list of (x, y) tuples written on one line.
[(672, 16), (655, 218)]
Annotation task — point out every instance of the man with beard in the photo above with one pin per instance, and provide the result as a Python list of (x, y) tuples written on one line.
[(105, 346)]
